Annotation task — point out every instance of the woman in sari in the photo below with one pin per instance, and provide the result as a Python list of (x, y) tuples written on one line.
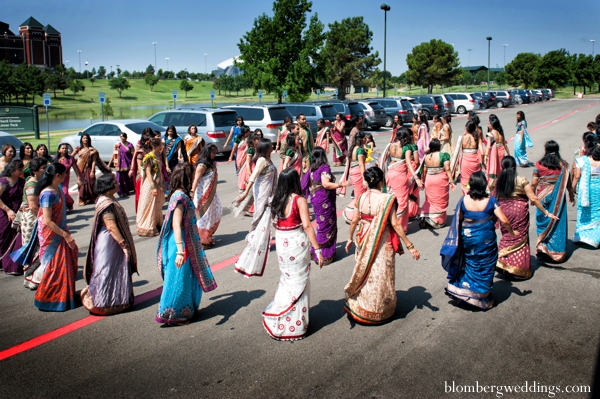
[(122, 160), (293, 154), (522, 141), (286, 317), (239, 151), (551, 181), (292, 128), (142, 148), (355, 169), (319, 183), (111, 259), (438, 180), (245, 155), (436, 130), (259, 191), (414, 128), (586, 180), (58, 250), (181, 259), (11, 197), (236, 131), (338, 140), (395, 126), (398, 174), (63, 157), (282, 132), (27, 256), (26, 154), (514, 194), (8, 154), (42, 151), (149, 217), (423, 136), (356, 122), (371, 292), (495, 151), (87, 161), (470, 251), (467, 155), (323, 135), (174, 149), (193, 144), (446, 139), (206, 200)]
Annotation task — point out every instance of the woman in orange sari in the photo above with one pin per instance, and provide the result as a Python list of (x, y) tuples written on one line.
[(193, 144), (438, 180), (293, 155), (87, 161), (149, 217), (371, 292), (143, 147), (355, 168), (206, 200)]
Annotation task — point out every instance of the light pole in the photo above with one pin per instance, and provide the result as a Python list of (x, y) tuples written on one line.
[(385, 9), (489, 39), (593, 41), (67, 63), (470, 49), (167, 63), (154, 43), (205, 65), (504, 45), (79, 53), (118, 70)]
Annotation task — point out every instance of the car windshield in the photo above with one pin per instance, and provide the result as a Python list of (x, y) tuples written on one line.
[(279, 113), (328, 111), (138, 127), (224, 118), (375, 106)]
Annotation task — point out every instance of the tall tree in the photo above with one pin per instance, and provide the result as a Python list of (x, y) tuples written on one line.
[(101, 72), (119, 84), (76, 86), (6, 71), (18, 81), (522, 70), (151, 80), (186, 86), (583, 71), (348, 55), (433, 62), (54, 81), (282, 52), (554, 69), (149, 70)]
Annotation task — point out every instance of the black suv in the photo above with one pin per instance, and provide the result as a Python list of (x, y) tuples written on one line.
[(486, 98), (395, 106), (432, 105)]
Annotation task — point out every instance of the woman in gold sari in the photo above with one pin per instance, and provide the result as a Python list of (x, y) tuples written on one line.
[(206, 200), (149, 216), (193, 144), (85, 168), (371, 292)]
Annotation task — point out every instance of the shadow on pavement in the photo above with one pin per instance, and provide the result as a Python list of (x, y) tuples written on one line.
[(140, 283), (325, 313), (227, 305), (225, 239), (503, 289), (414, 298)]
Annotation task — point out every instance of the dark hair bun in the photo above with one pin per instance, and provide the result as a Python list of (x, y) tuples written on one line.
[(373, 176)]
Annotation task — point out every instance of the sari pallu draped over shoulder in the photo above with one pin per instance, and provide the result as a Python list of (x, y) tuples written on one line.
[(514, 253), (373, 300), (191, 240), (587, 227), (552, 234), (397, 183), (208, 206), (176, 152)]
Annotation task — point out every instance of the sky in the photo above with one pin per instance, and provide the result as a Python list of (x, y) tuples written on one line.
[(112, 33)]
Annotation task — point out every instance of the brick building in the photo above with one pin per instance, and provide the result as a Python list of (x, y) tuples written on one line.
[(35, 44)]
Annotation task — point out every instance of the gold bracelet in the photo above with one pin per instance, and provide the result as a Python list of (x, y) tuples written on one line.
[(410, 246)]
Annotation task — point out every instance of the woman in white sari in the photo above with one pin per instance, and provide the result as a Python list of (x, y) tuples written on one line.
[(259, 190), (206, 200)]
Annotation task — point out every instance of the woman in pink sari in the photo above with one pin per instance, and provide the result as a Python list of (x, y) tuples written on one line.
[(495, 151), (293, 155), (355, 169), (423, 135), (63, 157), (438, 180), (467, 155), (338, 140), (401, 154), (239, 152), (322, 135)]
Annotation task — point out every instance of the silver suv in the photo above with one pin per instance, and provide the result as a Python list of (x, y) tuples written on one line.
[(266, 117), (313, 113), (395, 106), (373, 114), (213, 123)]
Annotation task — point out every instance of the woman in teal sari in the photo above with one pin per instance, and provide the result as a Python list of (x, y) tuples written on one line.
[(522, 141), (181, 258), (174, 149), (551, 181), (586, 180)]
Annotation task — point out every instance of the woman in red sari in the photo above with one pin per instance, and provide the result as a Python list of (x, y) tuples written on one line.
[(438, 180), (238, 154), (322, 135), (338, 140)]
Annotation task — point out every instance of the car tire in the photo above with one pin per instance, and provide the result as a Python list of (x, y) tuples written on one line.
[(461, 110), (390, 121), (499, 104)]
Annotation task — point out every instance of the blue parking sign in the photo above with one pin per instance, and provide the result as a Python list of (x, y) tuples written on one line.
[(285, 94), (260, 94), (47, 101), (336, 91), (212, 94), (102, 97), (174, 94)]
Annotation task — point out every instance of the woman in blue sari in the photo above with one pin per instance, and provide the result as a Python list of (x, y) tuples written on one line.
[(586, 180), (551, 181), (522, 141), (174, 149), (181, 258), (470, 251)]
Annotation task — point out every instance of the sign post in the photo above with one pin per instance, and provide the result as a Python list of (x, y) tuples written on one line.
[(284, 95), (362, 90), (212, 98), (318, 94), (102, 97), (260, 96), (47, 103), (174, 98), (336, 93)]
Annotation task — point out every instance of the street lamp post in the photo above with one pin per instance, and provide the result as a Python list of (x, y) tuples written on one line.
[(118, 70), (154, 43), (205, 65), (593, 41), (504, 45), (385, 9), (79, 53), (167, 63), (489, 39), (67, 63)]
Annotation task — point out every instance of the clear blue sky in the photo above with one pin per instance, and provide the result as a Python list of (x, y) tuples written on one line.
[(110, 32)]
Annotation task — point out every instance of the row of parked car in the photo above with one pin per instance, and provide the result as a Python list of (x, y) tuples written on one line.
[(214, 123)]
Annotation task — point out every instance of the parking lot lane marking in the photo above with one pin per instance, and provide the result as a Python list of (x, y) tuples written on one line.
[(560, 118)]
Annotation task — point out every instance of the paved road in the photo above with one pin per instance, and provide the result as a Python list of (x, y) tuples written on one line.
[(544, 330)]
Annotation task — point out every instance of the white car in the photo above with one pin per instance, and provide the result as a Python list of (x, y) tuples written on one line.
[(105, 134), (463, 102)]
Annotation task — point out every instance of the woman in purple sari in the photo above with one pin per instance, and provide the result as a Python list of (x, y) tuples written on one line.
[(122, 160), (320, 184), (11, 196)]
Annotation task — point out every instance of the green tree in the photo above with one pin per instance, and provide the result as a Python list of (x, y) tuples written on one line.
[(54, 81), (150, 70), (18, 82), (583, 71), (93, 72), (554, 69), (6, 71), (119, 84), (500, 78), (283, 52), (126, 74), (217, 84), (101, 72), (186, 86), (92, 80), (597, 70), (93, 114), (183, 74), (465, 76), (348, 55), (480, 76), (151, 80), (76, 86), (433, 62), (522, 70), (108, 109)]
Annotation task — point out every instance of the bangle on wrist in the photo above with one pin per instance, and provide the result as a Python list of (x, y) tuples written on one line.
[(181, 253), (410, 246)]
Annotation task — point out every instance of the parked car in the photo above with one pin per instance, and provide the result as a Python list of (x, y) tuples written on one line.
[(373, 114), (535, 95), (546, 94), (448, 104), (267, 117), (396, 106), (464, 102), (105, 134), (487, 99), (431, 106), (550, 92), (503, 98), (415, 104), (313, 112), (7, 138), (524, 94), (213, 124), (340, 108)]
